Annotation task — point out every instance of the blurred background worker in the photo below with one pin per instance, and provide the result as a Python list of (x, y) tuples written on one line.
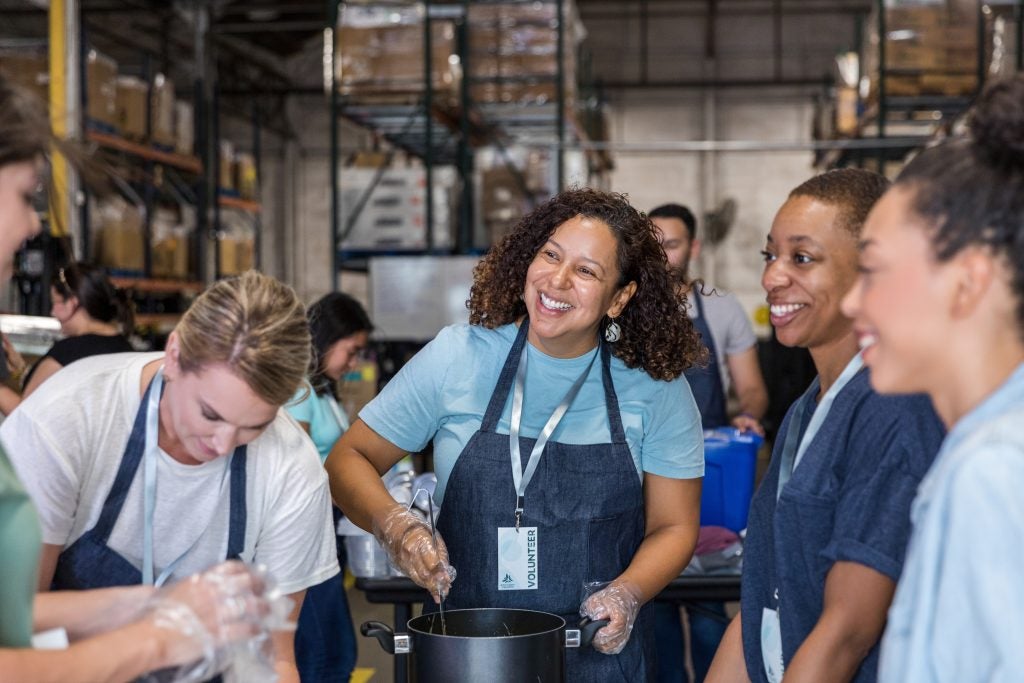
[(95, 318), (732, 360), (340, 331)]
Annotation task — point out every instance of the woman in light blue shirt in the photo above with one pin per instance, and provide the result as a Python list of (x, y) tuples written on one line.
[(939, 308), (560, 410), (340, 330)]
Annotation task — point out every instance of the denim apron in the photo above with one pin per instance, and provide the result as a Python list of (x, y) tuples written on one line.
[(587, 504), (90, 563), (706, 382)]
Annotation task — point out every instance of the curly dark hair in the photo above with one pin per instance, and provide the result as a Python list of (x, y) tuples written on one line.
[(657, 335)]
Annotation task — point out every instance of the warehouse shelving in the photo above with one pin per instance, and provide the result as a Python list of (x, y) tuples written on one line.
[(445, 128), (914, 120)]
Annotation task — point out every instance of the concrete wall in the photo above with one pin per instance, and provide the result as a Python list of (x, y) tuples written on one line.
[(758, 181)]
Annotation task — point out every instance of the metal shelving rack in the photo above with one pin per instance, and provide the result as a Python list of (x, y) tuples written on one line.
[(944, 109), (439, 131)]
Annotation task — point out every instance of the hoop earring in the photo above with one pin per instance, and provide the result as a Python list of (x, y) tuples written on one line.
[(612, 332)]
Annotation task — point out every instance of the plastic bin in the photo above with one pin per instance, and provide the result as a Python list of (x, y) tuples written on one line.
[(730, 459), (366, 559)]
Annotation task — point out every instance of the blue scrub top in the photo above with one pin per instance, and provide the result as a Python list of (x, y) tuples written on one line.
[(848, 500)]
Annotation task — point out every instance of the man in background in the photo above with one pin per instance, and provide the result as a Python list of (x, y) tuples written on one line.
[(732, 362)]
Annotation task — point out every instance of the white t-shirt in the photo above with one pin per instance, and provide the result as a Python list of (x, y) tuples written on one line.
[(66, 442)]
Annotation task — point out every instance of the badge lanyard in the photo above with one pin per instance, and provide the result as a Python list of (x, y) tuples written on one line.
[(149, 487), (520, 479), (338, 414), (791, 454)]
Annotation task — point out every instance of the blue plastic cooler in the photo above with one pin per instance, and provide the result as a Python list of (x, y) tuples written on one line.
[(730, 458)]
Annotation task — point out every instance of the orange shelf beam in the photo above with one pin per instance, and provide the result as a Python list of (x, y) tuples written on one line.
[(182, 161), (154, 285), (238, 203)]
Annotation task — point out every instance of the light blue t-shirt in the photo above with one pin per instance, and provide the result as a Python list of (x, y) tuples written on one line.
[(442, 394), (327, 422), (958, 614)]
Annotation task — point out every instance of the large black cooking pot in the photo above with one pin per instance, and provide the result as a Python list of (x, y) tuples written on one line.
[(493, 645)]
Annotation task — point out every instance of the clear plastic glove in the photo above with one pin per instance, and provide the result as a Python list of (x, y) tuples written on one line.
[(619, 602), (210, 616), (411, 547)]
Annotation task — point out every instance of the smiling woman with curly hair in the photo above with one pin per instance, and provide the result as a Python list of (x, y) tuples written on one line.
[(654, 336), (561, 411)]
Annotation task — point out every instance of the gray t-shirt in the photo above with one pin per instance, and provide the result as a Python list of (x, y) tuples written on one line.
[(731, 331)]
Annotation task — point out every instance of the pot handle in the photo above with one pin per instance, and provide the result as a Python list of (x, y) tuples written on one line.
[(382, 632), (583, 635)]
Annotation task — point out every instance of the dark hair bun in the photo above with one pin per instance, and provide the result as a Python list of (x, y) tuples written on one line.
[(997, 124)]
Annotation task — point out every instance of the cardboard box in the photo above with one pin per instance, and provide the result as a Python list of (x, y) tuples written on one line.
[(170, 258), (184, 128), (846, 110), (236, 255), (952, 85), (170, 245), (246, 181), (119, 237), (131, 107), (226, 177), (502, 202), (162, 112), (389, 59), (357, 388), (393, 216), (28, 69), (101, 89)]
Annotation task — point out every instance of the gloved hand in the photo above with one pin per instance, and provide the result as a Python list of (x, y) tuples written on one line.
[(411, 547), (619, 602), (202, 615)]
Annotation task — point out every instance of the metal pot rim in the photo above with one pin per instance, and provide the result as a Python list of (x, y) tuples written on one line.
[(420, 633)]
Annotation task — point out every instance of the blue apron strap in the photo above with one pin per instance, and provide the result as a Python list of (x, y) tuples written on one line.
[(611, 399), (125, 473), (236, 519), (508, 374)]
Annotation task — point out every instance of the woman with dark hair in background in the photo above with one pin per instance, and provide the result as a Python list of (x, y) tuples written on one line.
[(595, 451), (939, 308), (95, 318), (340, 331)]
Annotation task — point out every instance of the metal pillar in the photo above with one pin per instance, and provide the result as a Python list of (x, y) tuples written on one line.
[(65, 116), (330, 49), (560, 95), (428, 121), (883, 109)]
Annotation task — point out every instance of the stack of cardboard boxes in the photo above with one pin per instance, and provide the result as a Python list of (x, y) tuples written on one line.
[(393, 208), (931, 48), (380, 53), (28, 68), (514, 52)]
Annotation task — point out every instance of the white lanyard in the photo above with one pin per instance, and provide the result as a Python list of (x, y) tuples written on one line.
[(519, 480), (790, 460), (336, 411), (149, 486)]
